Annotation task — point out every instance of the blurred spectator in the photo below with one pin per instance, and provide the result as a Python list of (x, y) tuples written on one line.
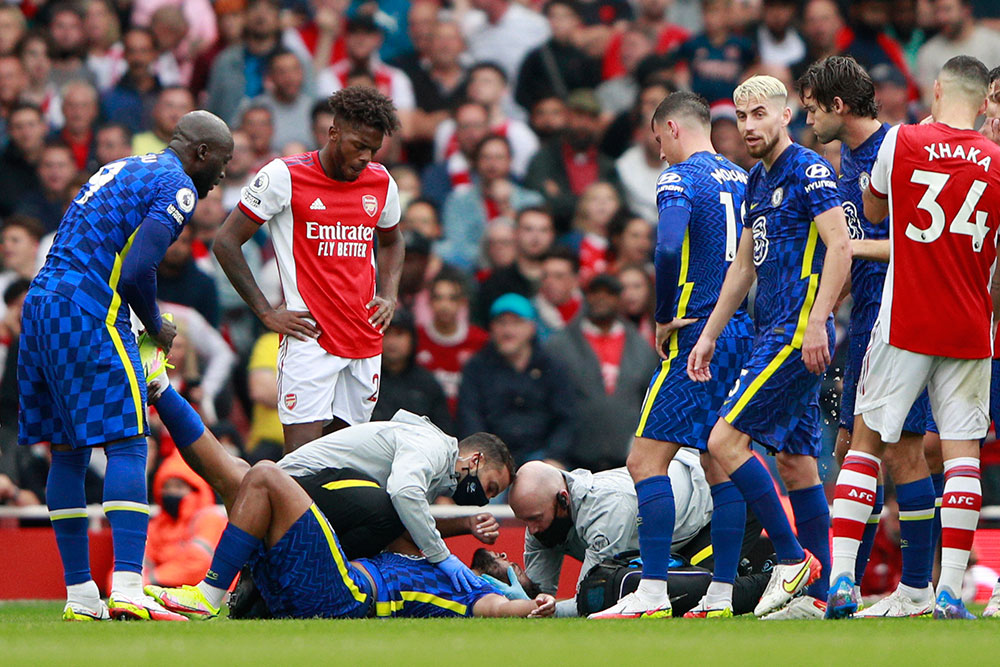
[(171, 103), (630, 241), (183, 28), (363, 40), (13, 82), (258, 123), (112, 141), (905, 27), (868, 42), (492, 194), (69, 45), (448, 340), (230, 20), (562, 170), (892, 95), (105, 52), (12, 28), (174, 64), (516, 390), (19, 160), (404, 384), (34, 50), (609, 365), (778, 42), (239, 171), (548, 117), (57, 175), (183, 535), (132, 99), (471, 123), (638, 300), (413, 295), (619, 134), (726, 137), (822, 23), (321, 121), (179, 280), (638, 169), (534, 234), (238, 71), (652, 20), (421, 216), (498, 248), (559, 297), (80, 108), (597, 207), (286, 97), (958, 34), (421, 20), (488, 86), (715, 60), (618, 93), (20, 236), (557, 66), (267, 438), (503, 32), (12, 294)]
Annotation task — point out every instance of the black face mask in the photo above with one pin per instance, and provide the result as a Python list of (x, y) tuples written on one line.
[(171, 504), (470, 490), (556, 533)]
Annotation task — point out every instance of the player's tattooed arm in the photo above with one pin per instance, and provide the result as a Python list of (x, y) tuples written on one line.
[(235, 231), (832, 228), (390, 267), (736, 286)]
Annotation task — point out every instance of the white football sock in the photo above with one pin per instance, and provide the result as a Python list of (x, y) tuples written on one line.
[(127, 583), (916, 594), (653, 591), (85, 594), (214, 595), (719, 594)]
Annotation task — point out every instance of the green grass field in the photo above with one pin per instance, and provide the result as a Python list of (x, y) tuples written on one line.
[(31, 634)]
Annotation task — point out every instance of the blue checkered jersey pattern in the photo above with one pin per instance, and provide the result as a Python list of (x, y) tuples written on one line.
[(781, 206), (712, 189), (97, 230), (410, 587), (867, 276)]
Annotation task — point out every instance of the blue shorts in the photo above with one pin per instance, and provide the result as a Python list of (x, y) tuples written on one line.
[(79, 380), (917, 421), (676, 408), (306, 574), (776, 399)]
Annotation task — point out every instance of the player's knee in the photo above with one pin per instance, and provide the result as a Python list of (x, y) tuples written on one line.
[(263, 475), (640, 465), (797, 471)]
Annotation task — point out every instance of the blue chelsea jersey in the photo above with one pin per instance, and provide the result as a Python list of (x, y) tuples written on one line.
[(96, 232), (782, 204)]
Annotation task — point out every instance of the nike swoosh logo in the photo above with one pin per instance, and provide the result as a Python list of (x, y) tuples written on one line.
[(753, 206), (791, 586)]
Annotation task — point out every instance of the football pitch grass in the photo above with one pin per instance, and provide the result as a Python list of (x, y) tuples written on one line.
[(32, 634)]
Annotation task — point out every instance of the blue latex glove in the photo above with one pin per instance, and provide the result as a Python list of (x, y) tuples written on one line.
[(511, 589), (461, 577)]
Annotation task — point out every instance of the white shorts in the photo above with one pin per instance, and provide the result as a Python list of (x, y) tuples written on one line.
[(314, 385), (892, 379)]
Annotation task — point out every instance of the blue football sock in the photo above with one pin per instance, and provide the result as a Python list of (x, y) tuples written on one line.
[(916, 525), (729, 517), (233, 551), (67, 502), (868, 539), (179, 417), (125, 502), (656, 525), (937, 479), (812, 521), (755, 484)]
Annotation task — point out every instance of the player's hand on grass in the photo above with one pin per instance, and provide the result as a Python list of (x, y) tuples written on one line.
[(546, 606), (295, 323), (663, 332), (700, 359), (484, 527), (815, 347), (165, 338), (384, 309), (461, 576)]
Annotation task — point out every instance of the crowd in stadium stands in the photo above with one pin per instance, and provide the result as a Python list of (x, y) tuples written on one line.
[(526, 172)]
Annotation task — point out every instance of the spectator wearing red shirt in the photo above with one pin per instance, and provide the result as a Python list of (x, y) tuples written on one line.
[(448, 340), (559, 297), (80, 107), (652, 20), (608, 363)]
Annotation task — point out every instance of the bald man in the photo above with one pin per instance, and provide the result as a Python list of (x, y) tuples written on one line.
[(592, 516), (80, 379)]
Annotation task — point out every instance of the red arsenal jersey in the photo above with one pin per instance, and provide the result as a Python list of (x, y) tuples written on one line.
[(943, 186), (445, 356), (323, 232)]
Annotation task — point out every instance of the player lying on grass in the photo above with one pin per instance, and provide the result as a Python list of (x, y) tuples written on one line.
[(294, 555)]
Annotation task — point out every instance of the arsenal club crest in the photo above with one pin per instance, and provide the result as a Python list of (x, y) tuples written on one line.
[(290, 401), (370, 204)]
